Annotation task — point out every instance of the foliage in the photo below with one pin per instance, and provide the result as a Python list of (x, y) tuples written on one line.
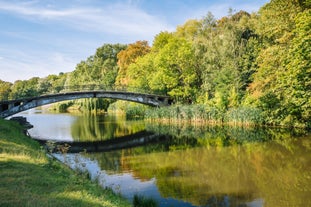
[(169, 68), (51, 84), (99, 69), (24, 89), (5, 90), (128, 56), (281, 85)]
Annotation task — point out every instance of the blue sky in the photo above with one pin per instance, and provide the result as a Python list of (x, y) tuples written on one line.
[(42, 37)]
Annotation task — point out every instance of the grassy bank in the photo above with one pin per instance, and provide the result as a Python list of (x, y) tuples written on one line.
[(29, 178)]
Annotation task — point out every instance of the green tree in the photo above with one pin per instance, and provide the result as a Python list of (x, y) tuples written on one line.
[(276, 20), (161, 40), (51, 84), (129, 56), (294, 85), (140, 72), (25, 89), (176, 70), (223, 49), (281, 83), (99, 70), (189, 30), (5, 90)]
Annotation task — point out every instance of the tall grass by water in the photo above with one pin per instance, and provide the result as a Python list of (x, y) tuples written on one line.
[(206, 114)]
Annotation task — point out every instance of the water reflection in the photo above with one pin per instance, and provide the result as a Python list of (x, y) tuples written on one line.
[(124, 183), (80, 127), (241, 175), (198, 165), (129, 141), (51, 126), (89, 127)]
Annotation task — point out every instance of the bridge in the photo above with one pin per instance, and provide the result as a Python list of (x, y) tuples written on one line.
[(11, 107)]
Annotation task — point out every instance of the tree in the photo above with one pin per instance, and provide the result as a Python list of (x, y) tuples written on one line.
[(25, 89), (189, 30), (161, 40), (281, 83), (129, 56), (140, 73), (99, 69), (294, 85), (276, 20), (5, 90), (175, 70), (221, 50)]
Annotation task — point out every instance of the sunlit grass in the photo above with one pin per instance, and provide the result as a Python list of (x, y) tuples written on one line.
[(29, 178), (21, 157)]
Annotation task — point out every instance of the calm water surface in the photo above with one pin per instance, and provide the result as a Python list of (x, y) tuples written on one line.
[(185, 165)]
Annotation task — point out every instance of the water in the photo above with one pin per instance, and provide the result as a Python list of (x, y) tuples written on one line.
[(185, 165)]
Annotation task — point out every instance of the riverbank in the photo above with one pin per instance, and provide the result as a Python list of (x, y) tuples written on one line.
[(29, 178)]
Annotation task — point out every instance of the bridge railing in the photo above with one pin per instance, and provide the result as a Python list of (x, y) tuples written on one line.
[(93, 87)]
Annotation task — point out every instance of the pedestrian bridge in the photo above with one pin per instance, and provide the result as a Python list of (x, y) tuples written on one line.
[(11, 107)]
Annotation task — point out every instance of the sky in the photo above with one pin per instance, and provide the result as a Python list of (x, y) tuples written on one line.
[(43, 37)]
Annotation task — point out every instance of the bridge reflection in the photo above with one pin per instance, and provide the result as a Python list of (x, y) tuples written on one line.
[(129, 141)]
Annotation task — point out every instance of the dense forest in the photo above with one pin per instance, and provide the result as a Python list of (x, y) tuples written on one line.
[(253, 67)]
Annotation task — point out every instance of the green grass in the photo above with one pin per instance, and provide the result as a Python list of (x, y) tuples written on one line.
[(29, 178)]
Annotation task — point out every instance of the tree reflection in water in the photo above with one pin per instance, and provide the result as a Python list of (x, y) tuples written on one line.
[(220, 166), (197, 165)]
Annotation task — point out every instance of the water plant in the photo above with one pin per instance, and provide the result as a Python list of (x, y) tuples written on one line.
[(142, 201)]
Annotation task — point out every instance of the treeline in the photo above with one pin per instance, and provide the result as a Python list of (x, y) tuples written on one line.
[(259, 62)]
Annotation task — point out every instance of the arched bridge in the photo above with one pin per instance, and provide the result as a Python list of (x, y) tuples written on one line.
[(11, 107)]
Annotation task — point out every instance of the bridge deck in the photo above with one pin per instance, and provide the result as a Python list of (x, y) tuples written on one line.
[(11, 107)]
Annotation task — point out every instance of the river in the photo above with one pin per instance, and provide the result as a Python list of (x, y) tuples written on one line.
[(184, 165)]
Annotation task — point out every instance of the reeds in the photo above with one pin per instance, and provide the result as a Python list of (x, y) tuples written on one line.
[(206, 114)]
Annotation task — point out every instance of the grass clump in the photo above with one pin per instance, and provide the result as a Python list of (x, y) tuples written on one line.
[(142, 201), (29, 178)]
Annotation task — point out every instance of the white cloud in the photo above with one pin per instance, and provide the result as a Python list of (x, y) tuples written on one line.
[(19, 65), (118, 19), (32, 10)]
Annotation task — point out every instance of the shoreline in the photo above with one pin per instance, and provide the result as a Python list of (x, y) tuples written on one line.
[(29, 177)]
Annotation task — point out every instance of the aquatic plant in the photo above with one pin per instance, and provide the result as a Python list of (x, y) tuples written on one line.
[(142, 201)]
